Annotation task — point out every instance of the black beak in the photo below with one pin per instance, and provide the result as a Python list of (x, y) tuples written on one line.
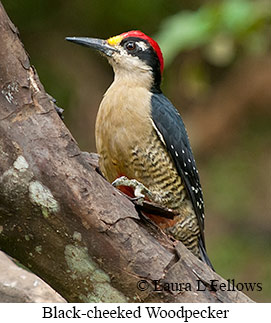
[(95, 43)]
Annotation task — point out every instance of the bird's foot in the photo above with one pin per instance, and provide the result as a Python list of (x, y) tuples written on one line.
[(140, 191)]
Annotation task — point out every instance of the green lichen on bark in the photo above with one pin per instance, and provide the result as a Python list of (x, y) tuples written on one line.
[(41, 196), (96, 281), (15, 180)]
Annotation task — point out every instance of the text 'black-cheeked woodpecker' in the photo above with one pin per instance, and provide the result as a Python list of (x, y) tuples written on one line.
[(142, 140)]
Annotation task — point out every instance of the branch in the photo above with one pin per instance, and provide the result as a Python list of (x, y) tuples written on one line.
[(62, 220), (18, 285)]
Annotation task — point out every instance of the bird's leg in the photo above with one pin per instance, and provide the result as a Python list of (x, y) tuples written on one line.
[(140, 191)]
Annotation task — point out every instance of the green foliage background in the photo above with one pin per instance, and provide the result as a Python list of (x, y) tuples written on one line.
[(204, 45)]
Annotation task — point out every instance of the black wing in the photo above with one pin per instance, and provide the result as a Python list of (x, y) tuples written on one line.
[(172, 129)]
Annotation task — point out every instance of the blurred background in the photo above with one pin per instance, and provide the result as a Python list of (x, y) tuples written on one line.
[(218, 74)]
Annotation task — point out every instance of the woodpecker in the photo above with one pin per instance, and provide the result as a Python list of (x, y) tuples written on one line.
[(142, 140)]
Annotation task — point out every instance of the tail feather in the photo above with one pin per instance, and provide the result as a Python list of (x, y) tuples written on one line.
[(203, 254)]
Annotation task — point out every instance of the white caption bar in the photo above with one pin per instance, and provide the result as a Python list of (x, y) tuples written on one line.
[(188, 313)]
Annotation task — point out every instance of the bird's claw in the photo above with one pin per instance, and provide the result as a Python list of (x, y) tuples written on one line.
[(140, 191)]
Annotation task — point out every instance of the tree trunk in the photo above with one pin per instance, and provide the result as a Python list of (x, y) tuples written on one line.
[(63, 221)]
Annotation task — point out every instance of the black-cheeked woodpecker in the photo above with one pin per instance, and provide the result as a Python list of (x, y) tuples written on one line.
[(142, 140)]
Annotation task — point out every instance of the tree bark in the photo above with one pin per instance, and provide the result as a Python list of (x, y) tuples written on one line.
[(63, 221), (18, 285)]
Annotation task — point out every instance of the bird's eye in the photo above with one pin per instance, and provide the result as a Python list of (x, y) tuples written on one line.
[(130, 46)]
